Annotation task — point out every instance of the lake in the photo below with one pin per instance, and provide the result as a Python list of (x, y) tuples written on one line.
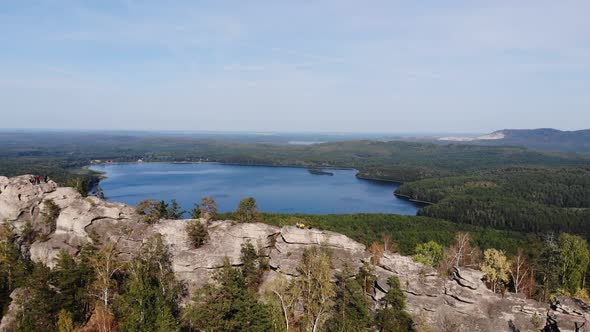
[(276, 189)]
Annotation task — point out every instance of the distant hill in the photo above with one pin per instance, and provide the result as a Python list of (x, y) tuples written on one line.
[(546, 139)]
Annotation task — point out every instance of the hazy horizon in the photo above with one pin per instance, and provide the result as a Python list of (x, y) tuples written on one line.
[(458, 67)]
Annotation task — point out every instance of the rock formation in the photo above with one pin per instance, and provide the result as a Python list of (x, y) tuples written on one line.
[(461, 301)]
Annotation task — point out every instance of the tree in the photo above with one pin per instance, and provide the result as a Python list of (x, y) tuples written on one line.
[(287, 296), (208, 208), (496, 268), (317, 289), (548, 262), (174, 211), (377, 250), (392, 317), (72, 286), (150, 210), (105, 266), (81, 185), (13, 267), (50, 214), (429, 253), (197, 233), (252, 265), (351, 305), (227, 305), (573, 261), (366, 277), (151, 292), (248, 211), (462, 252), (196, 211), (39, 310), (65, 322), (520, 272)]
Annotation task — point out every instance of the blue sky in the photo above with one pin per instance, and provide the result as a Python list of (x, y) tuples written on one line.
[(338, 66)]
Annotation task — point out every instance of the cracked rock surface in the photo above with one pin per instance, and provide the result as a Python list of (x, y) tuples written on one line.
[(462, 299)]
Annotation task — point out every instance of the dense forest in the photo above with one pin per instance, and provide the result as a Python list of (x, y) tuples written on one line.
[(536, 200)]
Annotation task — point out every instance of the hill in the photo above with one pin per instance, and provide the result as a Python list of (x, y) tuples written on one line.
[(546, 139)]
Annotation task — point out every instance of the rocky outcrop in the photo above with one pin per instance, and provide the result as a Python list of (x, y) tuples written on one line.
[(461, 301)]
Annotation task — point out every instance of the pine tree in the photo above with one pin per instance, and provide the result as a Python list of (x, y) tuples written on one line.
[(174, 211), (40, 307), (248, 211), (196, 211), (208, 208), (151, 292), (227, 305), (253, 265), (392, 317), (351, 308), (13, 267), (197, 233), (71, 284)]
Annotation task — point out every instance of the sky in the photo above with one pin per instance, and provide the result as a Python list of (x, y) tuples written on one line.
[(316, 66)]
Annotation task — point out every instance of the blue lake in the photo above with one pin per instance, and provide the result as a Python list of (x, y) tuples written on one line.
[(276, 189)]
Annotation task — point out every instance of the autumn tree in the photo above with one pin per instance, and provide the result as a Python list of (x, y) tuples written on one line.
[(377, 251), (105, 265), (389, 245), (462, 252), (248, 211), (208, 208), (317, 289), (520, 273), (429, 253), (496, 268)]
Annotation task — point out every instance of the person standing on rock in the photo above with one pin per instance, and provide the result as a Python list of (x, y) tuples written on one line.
[(38, 179)]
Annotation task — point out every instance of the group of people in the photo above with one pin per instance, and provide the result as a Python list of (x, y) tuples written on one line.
[(36, 179)]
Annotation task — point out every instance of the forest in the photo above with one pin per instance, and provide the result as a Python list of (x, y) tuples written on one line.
[(61, 155), (537, 200)]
